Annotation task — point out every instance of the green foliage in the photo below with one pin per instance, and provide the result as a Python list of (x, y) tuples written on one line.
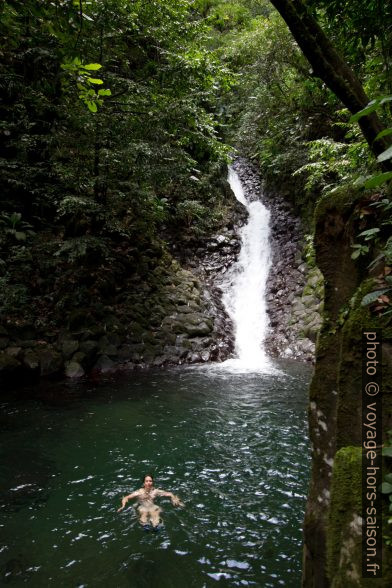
[(359, 249), (373, 296), (333, 163), (228, 15), (89, 94), (12, 295), (13, 225), (379, 298), (191, 210), (85, 249), (308, 251), (361, 30), (92, 162), (373, 105), (378, 180)]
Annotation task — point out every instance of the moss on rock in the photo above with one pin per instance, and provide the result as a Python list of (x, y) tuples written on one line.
[(344, 534)]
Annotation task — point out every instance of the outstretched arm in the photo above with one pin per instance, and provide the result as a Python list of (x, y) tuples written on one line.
[(126, 498), (174, 499)]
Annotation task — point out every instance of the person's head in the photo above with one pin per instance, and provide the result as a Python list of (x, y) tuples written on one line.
[(148, 481)]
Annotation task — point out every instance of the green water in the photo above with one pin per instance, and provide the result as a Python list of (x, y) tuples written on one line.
[(233, 446)]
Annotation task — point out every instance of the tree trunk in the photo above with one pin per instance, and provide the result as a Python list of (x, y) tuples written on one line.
[(329, 66)]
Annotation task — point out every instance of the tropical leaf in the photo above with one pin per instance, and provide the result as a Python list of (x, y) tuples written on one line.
[(371, 107), (92, 66), (92, 106), (373, 296), (383, 133), (369, 233), (95, 81), (375, 181), (387, 154)]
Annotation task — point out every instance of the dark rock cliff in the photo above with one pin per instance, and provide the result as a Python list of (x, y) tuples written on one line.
[(332, 528)]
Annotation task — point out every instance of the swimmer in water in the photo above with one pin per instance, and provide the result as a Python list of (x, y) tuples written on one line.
[(145, 497)]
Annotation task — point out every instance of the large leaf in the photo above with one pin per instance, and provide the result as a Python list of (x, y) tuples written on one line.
[(375, 181), (387, 154), (371, 107), (369, 233), (92, 66), (383, 133), (92, 106), (95, 81), (372, 296)]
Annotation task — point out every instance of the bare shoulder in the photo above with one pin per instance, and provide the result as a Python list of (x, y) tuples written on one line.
[(137, 492), (160, 492)]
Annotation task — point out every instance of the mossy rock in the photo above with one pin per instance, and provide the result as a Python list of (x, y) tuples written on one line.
[(104, 364), (69, 347), (344, 539), (342, 199), (199, 330), (73, 369), (89, 348), (344, 530), (31, 360)]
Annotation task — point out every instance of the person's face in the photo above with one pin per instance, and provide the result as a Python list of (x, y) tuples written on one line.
[(148, 482)]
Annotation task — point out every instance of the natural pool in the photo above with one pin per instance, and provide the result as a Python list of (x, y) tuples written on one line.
[(232, 445)]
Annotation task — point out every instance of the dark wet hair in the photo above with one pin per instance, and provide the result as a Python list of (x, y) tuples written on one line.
[(148, 476)]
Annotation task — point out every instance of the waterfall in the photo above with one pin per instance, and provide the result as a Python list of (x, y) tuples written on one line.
[(244, 295)]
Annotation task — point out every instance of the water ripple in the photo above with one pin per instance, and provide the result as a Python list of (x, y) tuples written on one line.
[(232, 447)]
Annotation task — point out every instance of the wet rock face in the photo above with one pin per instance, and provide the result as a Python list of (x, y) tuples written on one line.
[(169, 317)]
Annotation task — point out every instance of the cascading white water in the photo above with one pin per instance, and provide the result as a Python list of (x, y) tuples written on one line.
[(244, 295)]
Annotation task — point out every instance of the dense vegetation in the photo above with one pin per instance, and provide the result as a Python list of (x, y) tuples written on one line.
[(118, 118), (109, 140), (283, 113)]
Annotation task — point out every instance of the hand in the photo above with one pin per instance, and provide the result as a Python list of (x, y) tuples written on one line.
[(121, 508), (176, 501)]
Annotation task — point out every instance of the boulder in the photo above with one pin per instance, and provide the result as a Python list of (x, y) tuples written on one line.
[(197, 330), (31, 360), (73, 369), (104, 364), (14, 352), (69, 347), (89, 348)]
